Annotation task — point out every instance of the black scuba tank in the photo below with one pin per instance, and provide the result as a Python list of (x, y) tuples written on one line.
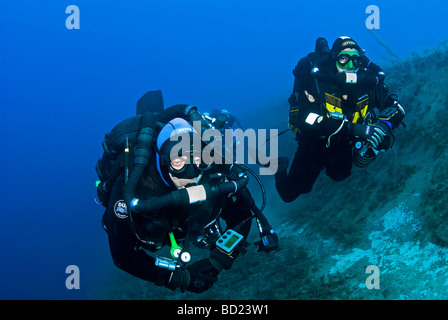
[(123, 137)]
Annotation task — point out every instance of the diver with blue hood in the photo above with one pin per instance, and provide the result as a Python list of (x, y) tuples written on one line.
[(168, 195)]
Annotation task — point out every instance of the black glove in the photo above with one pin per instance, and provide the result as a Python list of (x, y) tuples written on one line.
[(202, 275), (373, 134), (198, 277)]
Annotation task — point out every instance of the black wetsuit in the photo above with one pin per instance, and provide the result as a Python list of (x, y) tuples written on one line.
[(326, 144), (127, 240)]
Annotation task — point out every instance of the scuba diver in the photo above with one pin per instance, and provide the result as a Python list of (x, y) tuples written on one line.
[(341, 112), (160, 192)]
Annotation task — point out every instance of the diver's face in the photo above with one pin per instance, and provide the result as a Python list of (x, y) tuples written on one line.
[(177, 165), (348, 61)]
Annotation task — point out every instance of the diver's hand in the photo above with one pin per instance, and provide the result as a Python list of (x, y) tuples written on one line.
[(202, 275), (373, 134)]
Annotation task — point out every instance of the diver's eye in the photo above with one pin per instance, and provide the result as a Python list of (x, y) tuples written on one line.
[(178, 163), (356, 61), (343, 59)]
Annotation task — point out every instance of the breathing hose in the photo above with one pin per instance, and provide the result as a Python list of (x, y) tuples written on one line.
[(141, 159), (188, 195)]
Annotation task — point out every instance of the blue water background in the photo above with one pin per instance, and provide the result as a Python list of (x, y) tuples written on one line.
[(61, 90)]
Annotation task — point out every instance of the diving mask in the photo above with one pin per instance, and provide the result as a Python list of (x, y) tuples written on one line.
[(349, 60), (188, 166)]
